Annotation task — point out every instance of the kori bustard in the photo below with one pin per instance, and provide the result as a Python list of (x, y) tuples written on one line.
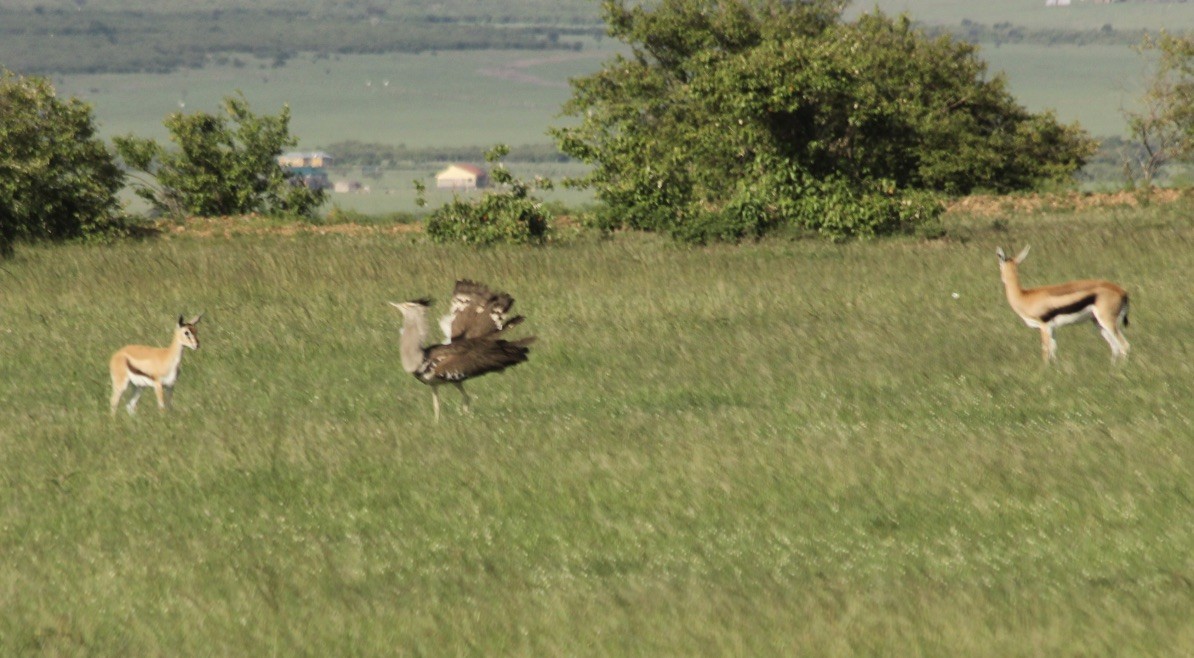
[(474, 342)]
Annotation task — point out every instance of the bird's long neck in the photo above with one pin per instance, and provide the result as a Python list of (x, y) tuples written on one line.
[(410, 346)]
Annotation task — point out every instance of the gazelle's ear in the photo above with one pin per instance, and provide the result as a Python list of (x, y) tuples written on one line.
[(181, 321), (1023, 254), (999, 252), (196, 319), (396, 305)]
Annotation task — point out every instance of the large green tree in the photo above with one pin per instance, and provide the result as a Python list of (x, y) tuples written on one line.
[(728, 117), (57, 179), (222, 165)]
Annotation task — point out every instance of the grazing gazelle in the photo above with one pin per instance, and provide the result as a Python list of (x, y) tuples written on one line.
[(1049, 307), (155, 367), (472, 329)]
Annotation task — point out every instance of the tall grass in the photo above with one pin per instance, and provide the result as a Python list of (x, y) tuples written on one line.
[(786, 448)]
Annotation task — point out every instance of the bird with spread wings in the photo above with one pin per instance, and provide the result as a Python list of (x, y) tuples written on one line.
[(474, 344)]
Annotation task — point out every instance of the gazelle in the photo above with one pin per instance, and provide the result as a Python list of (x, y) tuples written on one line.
[(1048, 307), (155, 367)]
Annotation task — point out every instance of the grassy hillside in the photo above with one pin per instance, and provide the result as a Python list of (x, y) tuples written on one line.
[(432, 99), (1077, 60), (471, 98), (1088, 84), (775, 449), (1033, 14), (527, 9)]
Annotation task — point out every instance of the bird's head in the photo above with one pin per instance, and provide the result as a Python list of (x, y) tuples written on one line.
[(415, 308)]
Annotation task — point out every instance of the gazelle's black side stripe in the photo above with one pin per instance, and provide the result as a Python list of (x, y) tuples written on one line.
[(137, 371), (1069, 309)]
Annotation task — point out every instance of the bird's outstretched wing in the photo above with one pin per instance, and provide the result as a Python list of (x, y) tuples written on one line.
[(477, 312), (472, 357)]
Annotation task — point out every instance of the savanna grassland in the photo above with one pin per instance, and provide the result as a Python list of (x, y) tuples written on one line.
[(781, 448)]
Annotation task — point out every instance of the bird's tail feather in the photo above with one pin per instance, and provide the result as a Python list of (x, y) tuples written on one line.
[(524, 342)]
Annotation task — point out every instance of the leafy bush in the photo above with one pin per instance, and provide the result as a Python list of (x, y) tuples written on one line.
[(508, 215), (728, 116), (837, 210), (832, 208), (57, 179), (222, 166)]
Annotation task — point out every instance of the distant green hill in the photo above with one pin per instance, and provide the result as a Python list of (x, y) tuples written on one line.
[(1081, 15), (125, 37), (550, 11), (1078, 60)]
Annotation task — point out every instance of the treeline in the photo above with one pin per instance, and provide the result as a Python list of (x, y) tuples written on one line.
[(522, 11), (367, 154), (1006, 32), (85, 41)]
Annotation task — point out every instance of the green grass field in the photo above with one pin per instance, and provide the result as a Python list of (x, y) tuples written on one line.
[(1089, 84), (783, 448), (451, 98)]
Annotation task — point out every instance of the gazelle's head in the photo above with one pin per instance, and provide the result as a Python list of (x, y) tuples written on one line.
[(1008, 266), (187, 334)]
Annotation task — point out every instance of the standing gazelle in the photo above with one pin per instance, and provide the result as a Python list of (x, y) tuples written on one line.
[(1049, 307), (155, 367)]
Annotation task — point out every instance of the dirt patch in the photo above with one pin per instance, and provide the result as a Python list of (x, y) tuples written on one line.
[(207, 227), (978, 205), (987, 205)]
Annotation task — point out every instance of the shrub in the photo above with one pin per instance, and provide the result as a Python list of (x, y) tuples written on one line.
[(509, 214), (224, 165), (730, 117), (837, 210), (57, 179)]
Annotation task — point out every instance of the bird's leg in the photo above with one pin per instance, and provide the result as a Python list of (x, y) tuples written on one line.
[(460, 387), (435, 401)]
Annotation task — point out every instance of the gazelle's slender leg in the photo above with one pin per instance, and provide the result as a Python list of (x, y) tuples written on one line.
[(132, 405), (1124, 347), (157, 391), (1121, 321), (118, 389), (1108, 327), (435, 401), (1115, 339), (1048, 344), (460, 387), (1117, 350)]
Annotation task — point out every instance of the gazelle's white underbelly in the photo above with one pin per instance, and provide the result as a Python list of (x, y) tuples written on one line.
[(1061, 320), (141, 380)]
